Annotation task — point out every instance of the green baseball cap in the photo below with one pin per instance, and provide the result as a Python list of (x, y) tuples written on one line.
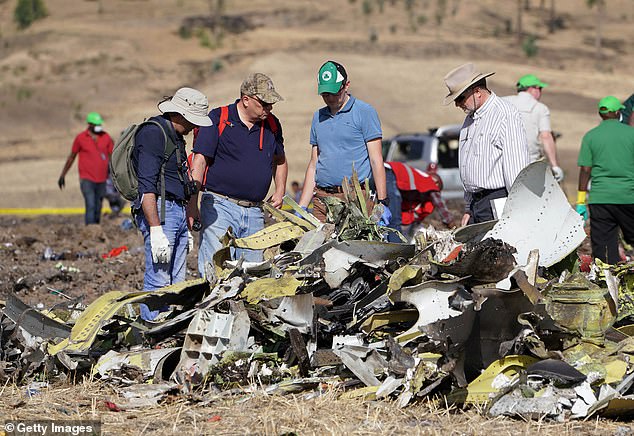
[(332, 76), (94, 118), (530, 80), (610, 104)]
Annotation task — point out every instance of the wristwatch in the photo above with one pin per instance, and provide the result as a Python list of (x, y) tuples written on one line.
[(385, 201)]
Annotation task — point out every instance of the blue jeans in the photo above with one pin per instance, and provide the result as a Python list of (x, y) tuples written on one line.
[(217, 214), (396, 199), (93, 195), (159, 275)]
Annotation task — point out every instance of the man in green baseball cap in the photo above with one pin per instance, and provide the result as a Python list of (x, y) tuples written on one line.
[(607, 157), (94, 147), (536, 118), (344, 135)]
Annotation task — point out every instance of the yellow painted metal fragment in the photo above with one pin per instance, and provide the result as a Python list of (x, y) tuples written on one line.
[(367, 393), (270, 236), (481, 389), (403, 275), (268, 288), (87, 326), (382, 319)]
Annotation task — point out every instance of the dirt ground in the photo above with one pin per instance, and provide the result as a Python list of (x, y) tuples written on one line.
[(119, 57)]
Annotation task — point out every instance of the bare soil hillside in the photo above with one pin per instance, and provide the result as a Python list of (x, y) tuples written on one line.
[(119, 57)]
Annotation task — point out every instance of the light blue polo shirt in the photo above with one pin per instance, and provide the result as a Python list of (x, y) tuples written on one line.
[(342, 140)]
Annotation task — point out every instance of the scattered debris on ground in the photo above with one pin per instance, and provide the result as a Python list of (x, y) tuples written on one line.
[(496, 314)]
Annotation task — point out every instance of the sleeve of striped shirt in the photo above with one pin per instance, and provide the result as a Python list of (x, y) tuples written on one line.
[(514, 148)]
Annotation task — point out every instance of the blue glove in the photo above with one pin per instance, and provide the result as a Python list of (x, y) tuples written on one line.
[(297, 213), (582, 210), (386, 217)]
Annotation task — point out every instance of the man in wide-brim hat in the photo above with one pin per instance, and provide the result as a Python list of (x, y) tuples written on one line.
[(493, 144)]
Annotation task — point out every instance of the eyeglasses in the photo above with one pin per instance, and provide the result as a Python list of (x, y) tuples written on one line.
[(263, 104), (343, 87)]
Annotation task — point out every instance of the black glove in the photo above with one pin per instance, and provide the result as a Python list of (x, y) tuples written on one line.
[(61, 182)]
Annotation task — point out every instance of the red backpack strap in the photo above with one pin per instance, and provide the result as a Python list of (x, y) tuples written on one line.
[(224, 119), (273, 124)]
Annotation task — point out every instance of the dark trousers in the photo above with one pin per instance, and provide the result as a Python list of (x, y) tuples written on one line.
[(396, 200), (605, 221), (93, 196), (480, 207)]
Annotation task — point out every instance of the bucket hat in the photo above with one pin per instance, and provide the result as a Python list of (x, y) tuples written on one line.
[(461, 78), (191, 104)]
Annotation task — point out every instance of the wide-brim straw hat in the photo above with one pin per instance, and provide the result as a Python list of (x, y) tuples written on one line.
[(191, 104), (461, 78)]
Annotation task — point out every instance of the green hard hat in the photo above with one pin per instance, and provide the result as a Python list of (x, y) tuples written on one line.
[(530, 80), (610, 104), (94, 118)]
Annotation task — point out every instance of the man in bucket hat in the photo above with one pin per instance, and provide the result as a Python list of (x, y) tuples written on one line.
[(536, 117), (166, 243), (346, 133), (607, 157), (493, 144), (94, 147), (234, 161)]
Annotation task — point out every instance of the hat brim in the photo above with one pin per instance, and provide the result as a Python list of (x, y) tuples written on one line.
[(271, 97), (196, 120), (331, 88), (454, 95)]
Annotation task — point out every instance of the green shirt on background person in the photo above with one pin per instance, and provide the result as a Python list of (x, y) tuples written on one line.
[(609, 150)]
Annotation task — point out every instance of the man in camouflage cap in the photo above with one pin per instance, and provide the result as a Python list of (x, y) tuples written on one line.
[(233, 164)]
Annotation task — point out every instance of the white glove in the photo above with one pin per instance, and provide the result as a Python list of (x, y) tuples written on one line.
[(558, 173), (190, 241), (161, 251)]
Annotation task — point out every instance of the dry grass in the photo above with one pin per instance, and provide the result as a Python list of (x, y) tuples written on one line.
[(272, 415)]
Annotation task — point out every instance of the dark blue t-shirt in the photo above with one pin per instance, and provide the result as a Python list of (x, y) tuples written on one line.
[(239, 169), (148, 156)]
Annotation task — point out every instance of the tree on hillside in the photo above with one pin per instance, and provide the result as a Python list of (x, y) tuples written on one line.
[(600, 4), (27, 11)]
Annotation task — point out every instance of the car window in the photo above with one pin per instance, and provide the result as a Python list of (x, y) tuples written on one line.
[(385, 146), (408, 150), (448, 152)]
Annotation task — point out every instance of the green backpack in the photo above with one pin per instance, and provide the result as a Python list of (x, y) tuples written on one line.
[(122, 171)]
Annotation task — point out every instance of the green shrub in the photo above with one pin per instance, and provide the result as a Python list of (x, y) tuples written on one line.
[(529, 46), (28, 11)]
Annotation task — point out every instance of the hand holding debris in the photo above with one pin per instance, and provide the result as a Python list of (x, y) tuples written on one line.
[(160, 245), (582, 210), (386, 217), (558, 173)]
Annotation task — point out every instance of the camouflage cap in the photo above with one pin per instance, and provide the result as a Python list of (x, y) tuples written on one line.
[(261, 86)]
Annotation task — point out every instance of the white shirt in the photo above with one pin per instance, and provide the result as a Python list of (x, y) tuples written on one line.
[(536, 118), (493, 147)]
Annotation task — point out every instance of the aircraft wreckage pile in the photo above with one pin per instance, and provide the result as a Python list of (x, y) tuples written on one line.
[(496, 313)]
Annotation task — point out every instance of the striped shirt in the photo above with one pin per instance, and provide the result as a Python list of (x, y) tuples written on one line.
[(493, 147)]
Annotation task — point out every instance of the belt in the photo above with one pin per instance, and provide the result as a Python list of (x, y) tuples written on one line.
[(479, 195), (175, 199), (243, 203), (334, 189)]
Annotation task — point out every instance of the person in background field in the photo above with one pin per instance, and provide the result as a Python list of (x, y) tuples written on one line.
[(493, 144), (94, 147), (166, 242), (536, 118), (607, 157), (346, 133), (234, 161), (115, 199), (296, 191), (414, 195)]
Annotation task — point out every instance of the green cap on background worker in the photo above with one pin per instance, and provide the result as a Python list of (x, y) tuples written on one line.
[(530, 81), (95, 121), (610, 104)]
